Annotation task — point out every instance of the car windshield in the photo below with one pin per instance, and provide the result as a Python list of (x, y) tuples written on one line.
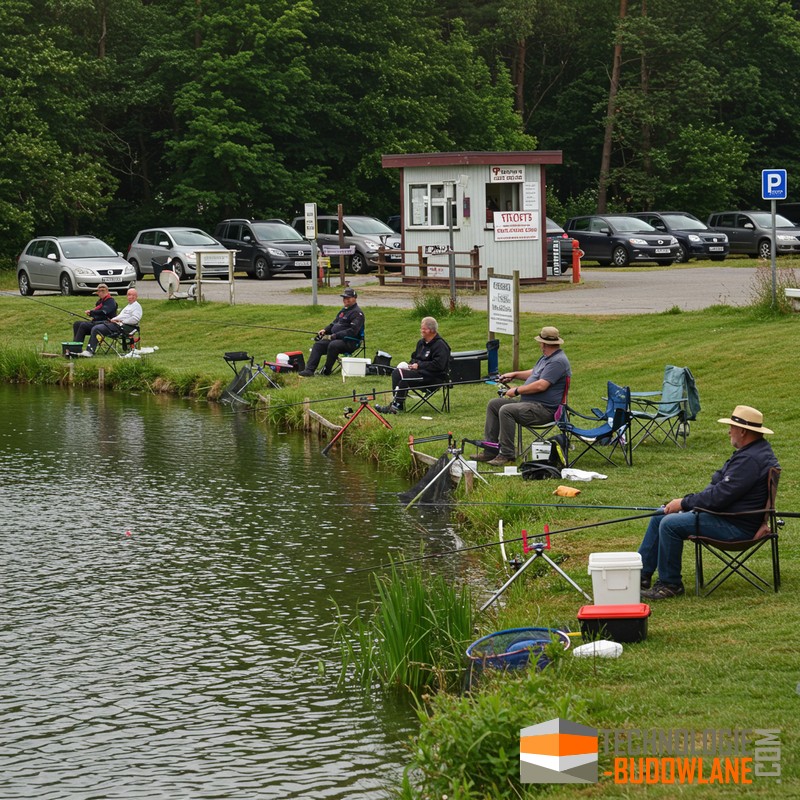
[(631, 225), (553, 227), (272, 231), (194, 238), (87, 248), (684, 222), (764, 220), (364, 226)]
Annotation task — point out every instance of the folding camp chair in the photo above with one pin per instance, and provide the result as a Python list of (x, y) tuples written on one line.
[(664, 416), (123, 342), (359, 351), (734, 555), (424, 396), (541, 431), (612, 434)]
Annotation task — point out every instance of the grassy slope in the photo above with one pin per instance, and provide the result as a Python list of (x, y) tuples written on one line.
[(726, 661)]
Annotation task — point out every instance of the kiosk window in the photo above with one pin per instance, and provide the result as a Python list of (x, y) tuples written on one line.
[(428, 204)]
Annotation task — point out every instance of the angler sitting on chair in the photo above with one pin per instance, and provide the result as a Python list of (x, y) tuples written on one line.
[(125, 321), (428, 366), (345, 332), (105, 309)]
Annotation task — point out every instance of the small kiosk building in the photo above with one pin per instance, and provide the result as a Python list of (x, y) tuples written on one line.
[(498, 204)]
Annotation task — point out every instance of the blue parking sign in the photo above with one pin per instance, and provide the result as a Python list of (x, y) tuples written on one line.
[(773, 184)]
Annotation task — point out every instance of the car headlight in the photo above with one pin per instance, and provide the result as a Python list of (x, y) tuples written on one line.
[(129, 269), (673, 241), (189, 255), (274, 251), (372, 245), (638, 242), (785, 237), (84, 271), (693, 237)]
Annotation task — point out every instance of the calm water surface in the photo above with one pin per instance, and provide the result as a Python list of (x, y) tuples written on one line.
[(166, 575)]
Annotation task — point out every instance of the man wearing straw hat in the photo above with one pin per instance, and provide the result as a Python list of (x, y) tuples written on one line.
[(740, 486), (539, 398)]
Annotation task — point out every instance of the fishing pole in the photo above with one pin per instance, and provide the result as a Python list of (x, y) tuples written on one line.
[(485, 545), (35, 300), (250, 325)]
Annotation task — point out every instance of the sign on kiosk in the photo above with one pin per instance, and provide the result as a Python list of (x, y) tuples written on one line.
[(515, 225)]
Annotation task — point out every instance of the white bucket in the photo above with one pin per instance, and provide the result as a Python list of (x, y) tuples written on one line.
[(354, 367), (616, 578)]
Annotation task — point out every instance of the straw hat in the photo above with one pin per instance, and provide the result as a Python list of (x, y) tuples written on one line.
[(750, 419), (549, 335)]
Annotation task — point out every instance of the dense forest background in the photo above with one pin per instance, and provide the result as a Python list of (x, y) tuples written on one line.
[(122, 114)]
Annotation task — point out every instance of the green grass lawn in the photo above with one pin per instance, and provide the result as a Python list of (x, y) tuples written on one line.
[(728, 661)]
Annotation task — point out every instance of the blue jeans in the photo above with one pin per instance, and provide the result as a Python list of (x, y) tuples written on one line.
[(662, 546)]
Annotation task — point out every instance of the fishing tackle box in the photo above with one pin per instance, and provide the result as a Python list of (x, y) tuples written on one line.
[(622, 623)]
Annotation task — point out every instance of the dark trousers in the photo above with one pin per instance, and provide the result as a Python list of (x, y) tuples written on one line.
[(405, 379), (81, 329), (332, 348), (103, 329)]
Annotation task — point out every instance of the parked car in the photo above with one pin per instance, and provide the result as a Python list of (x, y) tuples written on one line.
[(265, 247), (558, 240), (71, 265), (366, 234), (619, 240), (750, 232), (176, 245), (694, 237)]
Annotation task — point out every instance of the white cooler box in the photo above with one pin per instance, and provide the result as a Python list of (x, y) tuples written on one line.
[(354, 367), (616, 578)]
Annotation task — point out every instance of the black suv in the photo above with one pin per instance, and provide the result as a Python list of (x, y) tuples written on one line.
[(750, 232), (619, 240), (694, 237), (265, 247)]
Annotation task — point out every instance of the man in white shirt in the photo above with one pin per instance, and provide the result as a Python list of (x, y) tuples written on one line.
[(124, 322)]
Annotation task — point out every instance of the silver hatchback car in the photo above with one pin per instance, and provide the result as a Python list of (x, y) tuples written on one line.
[(176, 245), (72, 264)]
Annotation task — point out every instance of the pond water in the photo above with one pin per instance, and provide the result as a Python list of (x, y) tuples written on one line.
[(167, 573)]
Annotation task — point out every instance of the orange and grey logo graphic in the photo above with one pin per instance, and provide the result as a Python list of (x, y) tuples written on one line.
[(558, 751)]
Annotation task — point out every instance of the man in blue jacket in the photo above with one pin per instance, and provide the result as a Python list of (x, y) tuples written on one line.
[(344, 335), (740, 486), (105, 309)]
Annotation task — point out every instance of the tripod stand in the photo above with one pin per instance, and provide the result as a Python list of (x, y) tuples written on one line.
[(538, 552), (351, 417), (454, 456)]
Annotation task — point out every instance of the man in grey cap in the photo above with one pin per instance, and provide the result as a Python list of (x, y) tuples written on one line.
[(738, 487), (105, 309), (539, 398), (342, 336)]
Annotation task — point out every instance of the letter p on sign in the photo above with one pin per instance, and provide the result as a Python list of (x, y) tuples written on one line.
[(773, 184)]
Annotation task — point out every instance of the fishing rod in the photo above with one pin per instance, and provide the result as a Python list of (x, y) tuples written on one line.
[(485, 545), (35, 300), (252, 325)]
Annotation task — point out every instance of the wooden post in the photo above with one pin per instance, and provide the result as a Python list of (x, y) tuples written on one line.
[(101, 378)]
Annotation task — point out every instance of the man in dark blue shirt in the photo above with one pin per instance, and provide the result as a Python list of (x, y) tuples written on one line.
[(344, 334), (105, 309), (740, 486)]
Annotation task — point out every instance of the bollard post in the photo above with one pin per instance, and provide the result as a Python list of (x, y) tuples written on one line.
[(576, 261)]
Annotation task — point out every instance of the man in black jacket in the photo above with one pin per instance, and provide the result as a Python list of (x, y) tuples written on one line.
[(428, 366), (739, 487), (105, 309), (346, 333)]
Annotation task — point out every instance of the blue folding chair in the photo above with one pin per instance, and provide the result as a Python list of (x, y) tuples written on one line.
[(609, 437)]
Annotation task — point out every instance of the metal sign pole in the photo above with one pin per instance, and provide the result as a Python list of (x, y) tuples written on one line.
[(773, 255)]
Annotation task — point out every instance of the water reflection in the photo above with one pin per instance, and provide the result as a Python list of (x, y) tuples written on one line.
[(166, 581)]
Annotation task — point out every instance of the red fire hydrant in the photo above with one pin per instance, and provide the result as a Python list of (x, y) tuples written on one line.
[(576, 261)]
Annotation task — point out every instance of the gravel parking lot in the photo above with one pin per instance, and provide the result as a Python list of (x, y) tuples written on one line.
[(603, 291)]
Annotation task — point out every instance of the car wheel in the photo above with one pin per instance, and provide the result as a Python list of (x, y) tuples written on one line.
[(683, 255), (261, 268), (135, 264), (176, 265), (66, 285), (764, 248), (620, 256), (24, 283), (358, 264)]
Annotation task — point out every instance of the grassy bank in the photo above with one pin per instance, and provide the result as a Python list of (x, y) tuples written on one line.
[(728, 661)]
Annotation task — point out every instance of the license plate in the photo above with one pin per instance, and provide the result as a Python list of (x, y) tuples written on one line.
[(662, 251), (715, 249), (302, 263)]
